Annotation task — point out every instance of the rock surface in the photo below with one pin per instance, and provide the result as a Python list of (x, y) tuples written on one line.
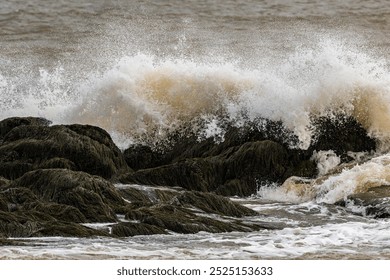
[(29, 144), (375, 202), (57, 180), (245, 159)]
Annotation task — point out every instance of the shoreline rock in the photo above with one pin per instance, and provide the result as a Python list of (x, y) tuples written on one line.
[(55, 180)]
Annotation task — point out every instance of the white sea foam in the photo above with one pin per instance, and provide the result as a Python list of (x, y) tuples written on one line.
[(333, 187), (346, 240), (142, 97)]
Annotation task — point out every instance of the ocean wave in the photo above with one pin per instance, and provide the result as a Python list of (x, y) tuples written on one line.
[(143, 98)]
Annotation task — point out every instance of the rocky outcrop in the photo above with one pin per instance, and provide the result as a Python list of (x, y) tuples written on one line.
[(7, 125), (52, 202), (29, 144), (248, 157), (374, 203), (236, 171), (49, 202), (95, 198), (56, 180), (341, 134)]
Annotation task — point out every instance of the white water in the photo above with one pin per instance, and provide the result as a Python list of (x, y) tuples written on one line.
[(312, 231)]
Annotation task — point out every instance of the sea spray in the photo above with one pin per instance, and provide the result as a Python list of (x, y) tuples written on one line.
[(144, 98)]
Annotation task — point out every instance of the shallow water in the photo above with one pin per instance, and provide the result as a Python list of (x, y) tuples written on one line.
[(307, 231), (141, 69)]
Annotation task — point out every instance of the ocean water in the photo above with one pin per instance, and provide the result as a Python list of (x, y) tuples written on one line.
[(142, 69)]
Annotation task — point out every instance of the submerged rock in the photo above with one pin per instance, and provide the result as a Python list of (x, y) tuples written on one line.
[(34, 145), (374, 203), (125, 229)]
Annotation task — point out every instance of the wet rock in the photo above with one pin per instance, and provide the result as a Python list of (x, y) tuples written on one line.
[(146, 195), (182, 220), (7, 125), (3, 204), (341, 134), (93, 196), (3, 181), (60, 212), (77, 147), (141, 157), (67, 230), (183, 211), (247, 157), (15, 225), (11, 226), (212, 203), (375, 202), (125, 229), (236, 171)]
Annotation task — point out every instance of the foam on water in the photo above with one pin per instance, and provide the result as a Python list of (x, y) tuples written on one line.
[(334, 186), (347, 240)]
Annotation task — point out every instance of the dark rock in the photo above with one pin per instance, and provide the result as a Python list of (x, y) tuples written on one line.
[(341, 134), (135, 196), (17, 197), (60, 212), (257, 154), (191, 212), (15, 225), (141, 157), (147, 195), (125, 229), (236, 171), (3, 204), (19, 225), (212, 203), (182, 220), (76, 147), (67, 230), (7, 125), (93, 196), (3, 181), (375, 202), (56, 162)]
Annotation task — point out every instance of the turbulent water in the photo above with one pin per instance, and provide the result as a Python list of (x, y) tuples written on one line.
[(142, 69)]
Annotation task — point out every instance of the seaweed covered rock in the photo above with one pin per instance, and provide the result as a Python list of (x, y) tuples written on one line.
[(34, 145), (3, 181), (55, 202), (7, 125), (375, 202), (182, 212), (236, 171), (125, 229), (35, 224), (93, 196), (341, 134), (212, 203), (246, 158), (183, 220), (68, 229)]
